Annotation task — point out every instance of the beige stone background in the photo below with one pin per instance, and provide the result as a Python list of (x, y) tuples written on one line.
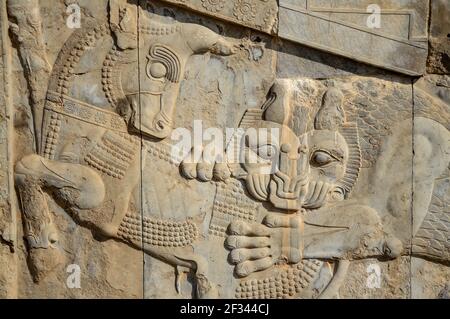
[(379, 92)]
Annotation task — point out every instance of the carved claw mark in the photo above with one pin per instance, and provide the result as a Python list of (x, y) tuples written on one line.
[(248, 267), (241, 255), (198, 166), (278, 221), (256, 247), (205, 172), (234, 242), (240, 228)]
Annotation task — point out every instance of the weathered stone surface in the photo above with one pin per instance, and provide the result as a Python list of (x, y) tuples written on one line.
[(370, 279), (257, 14), (8, 222), (439, 57), (294, 60), (429, 280), (183, 149), (406, 19), (431, 187), (330, 26)]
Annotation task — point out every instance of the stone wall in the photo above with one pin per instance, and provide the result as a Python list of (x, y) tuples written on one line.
[(8, 223), (337, 112)]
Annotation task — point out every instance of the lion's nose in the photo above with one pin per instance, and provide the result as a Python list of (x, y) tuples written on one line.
[(288, 165)]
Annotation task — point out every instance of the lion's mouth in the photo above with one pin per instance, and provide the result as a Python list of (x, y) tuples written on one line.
[(288, 194), (317, 194), (258, 186), (283, 200)]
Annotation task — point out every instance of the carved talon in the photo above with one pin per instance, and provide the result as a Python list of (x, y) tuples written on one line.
[(283, 221), (238, 256), (241, 228), (234, 242), (197, 166), (256, 247), (189, 170), (221, 172), (249, 267), (393, 247), (205, 172)]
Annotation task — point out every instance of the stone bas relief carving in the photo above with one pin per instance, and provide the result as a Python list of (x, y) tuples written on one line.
[(257, 14), (93, 174), (306, 218), (353, 172)]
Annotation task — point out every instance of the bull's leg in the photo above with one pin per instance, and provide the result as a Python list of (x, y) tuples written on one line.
[(77, 185), (180, 255), (39, 229), (204, 288)]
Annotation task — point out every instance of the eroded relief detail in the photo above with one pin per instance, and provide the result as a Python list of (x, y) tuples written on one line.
[(317, 171), (318, 176), (78, 170), (257, 14)]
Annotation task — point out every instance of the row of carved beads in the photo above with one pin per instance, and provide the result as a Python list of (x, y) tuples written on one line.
[(286, 285), (102, 166), (218, 231), (235, 211), (113, 154), (110, 75), (163, 152), (52, 137), (160, 30), (160, 233), (125, 151), (236, 189), (88, 41)]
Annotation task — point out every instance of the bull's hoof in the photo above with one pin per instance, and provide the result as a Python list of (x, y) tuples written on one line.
[(42, 262), (205, 288)]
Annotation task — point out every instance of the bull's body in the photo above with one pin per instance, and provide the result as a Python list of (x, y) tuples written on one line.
[(92, 160)]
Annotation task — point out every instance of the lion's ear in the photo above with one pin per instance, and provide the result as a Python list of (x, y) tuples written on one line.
[(123, 21), (331, 115), (278, 107)]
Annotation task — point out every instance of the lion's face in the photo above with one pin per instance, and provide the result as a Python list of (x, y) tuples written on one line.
[(327, 159), (293, 172)]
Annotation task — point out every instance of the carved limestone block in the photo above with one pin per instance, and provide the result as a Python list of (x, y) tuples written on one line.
[(256, 14), (336, 26), (439, 57), (204, 149)]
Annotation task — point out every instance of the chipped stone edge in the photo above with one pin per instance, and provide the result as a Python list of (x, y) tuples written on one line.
[(8, 235)]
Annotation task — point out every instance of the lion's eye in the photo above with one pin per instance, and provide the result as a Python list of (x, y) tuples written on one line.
[(267, 152), (321, 158)]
